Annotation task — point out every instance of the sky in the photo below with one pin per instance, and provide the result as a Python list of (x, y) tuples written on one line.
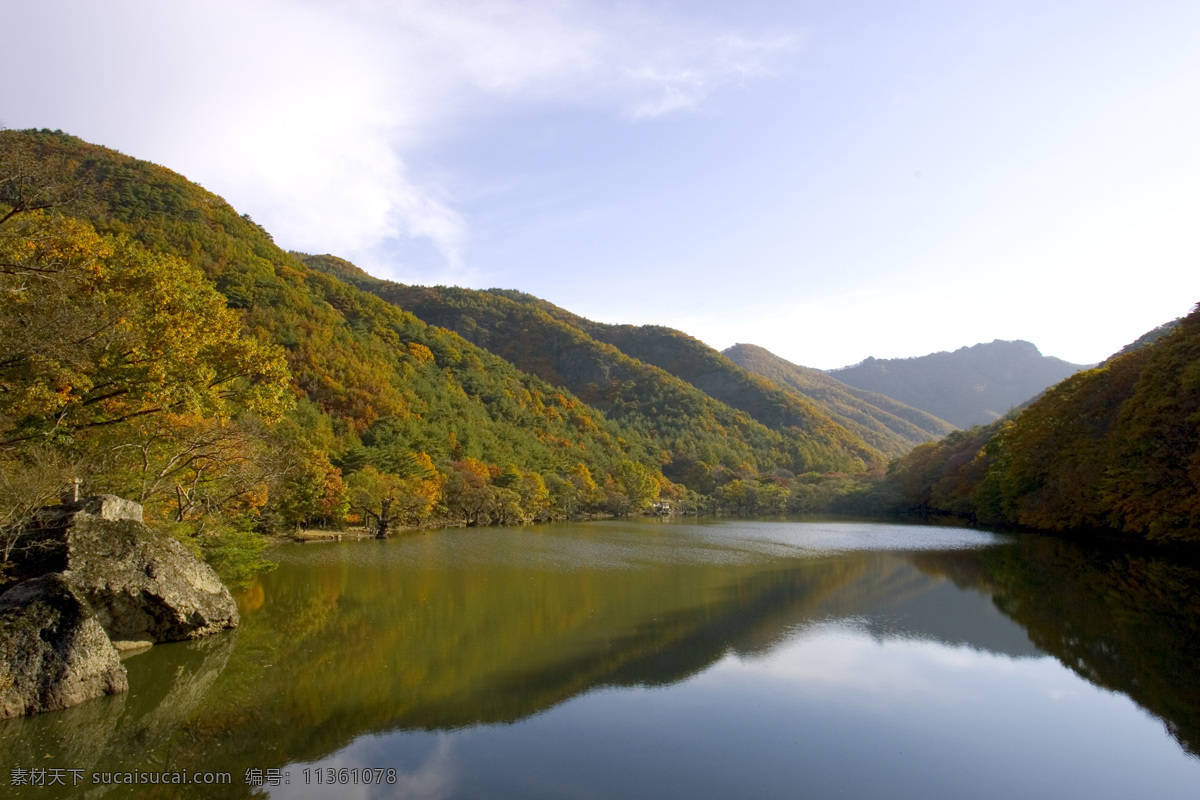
[(829, 180)]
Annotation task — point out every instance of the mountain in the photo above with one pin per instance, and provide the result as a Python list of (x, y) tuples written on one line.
[(730, 417), (185, 361), (886, 424), (159, 345), (385, 402), (771, 403), (1115, 450), (969, 386)]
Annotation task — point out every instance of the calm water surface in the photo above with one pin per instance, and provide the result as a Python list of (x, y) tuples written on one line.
[(667, 660)]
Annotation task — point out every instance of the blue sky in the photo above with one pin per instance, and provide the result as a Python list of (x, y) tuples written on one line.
[(827, 180)]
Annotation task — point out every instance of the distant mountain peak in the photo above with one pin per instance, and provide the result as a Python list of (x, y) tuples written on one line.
[(888, 425), (1003, 345), (972, 385)]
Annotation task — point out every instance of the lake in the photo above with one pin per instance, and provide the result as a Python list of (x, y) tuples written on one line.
[(663, 659)]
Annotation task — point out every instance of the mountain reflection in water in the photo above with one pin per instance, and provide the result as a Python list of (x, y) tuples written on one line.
[(428, 637)]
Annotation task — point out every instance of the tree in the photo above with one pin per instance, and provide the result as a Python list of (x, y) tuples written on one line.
[(36, 477), (385, 498), (636, 482), (469, 494), (534, 496), (373, 495), (124, 366), (587, 492), (309, 488), (420, 489), (32, 180), (97, 331)]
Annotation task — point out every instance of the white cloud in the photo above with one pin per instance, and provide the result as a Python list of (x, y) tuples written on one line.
[(836, 659), (683, 76), (307, 114)]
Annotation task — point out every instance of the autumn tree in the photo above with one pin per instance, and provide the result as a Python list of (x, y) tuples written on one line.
[(631, 488), (372, 495), (98, 331), (309, 488), (32, 179), (469, 495), (587, 492), (106, 347), (383, 499)]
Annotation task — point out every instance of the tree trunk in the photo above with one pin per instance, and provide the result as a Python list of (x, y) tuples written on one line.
[(385, 518)]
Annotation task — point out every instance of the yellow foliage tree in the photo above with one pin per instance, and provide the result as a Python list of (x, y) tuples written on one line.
[(96, 331)]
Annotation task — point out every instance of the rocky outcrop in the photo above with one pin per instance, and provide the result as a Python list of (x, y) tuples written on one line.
[(95, 580), (104, 506), (53, 651), (143, 585), (43, 548)]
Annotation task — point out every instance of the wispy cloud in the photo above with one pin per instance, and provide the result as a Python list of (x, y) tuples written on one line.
[(308, 114), (438, 65)]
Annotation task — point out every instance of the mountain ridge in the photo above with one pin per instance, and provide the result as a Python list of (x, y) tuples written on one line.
[(495, 407), (559, 349), (1110, 451), (972, 385), (883, 422)]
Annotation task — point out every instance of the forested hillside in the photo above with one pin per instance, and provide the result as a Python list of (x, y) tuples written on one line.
[(295, 398), (1113, 449), (886, 424), (158, 345), (773, 404), (970, 386), (693, 424)]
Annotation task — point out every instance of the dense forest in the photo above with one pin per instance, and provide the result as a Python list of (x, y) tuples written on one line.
[(714, 411), (1115, 450), (160, 346)]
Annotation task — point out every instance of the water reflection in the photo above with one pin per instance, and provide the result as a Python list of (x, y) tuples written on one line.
[(832, 712), (368, 653), (1129, 622), (138, 730)]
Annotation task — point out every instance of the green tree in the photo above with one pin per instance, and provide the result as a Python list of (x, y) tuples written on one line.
[(372, 495), (636, 482), (97, 331)]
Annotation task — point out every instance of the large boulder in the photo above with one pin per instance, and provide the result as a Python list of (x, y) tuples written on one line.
[(42, 548), (53, 651), (104, 506), (144, 586)]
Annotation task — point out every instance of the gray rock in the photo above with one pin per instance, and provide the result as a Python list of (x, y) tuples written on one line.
[(42, 547), (53, 652), (143, 586), (105, 506)]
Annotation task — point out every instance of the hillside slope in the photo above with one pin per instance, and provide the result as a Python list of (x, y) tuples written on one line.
[(686, 357), (886, 424), (375, 385), (970, 386), (1113, 449), (686, 424)]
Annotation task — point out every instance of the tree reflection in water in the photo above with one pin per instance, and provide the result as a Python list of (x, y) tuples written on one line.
[(448, 630)]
